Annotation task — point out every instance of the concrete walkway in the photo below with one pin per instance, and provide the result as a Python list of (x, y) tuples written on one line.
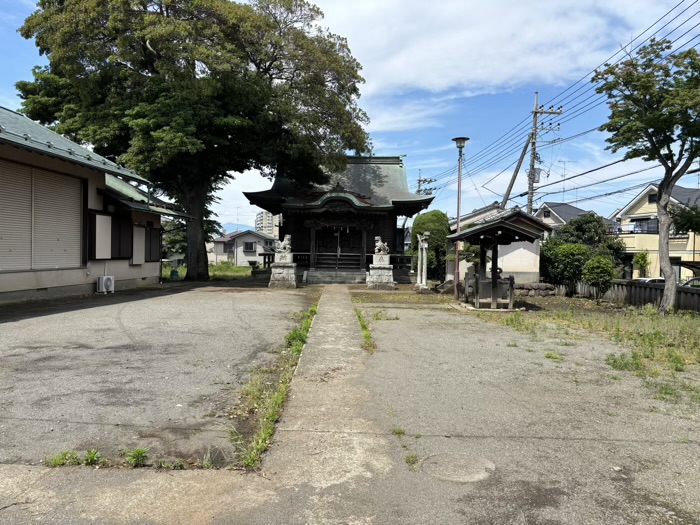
[(452, 421)]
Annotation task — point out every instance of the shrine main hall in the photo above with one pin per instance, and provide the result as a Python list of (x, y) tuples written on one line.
[(333, 226)]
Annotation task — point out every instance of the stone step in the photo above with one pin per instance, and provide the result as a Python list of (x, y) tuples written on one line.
[(336, 276)]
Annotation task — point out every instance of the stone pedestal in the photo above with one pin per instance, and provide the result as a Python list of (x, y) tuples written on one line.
[(283, 257), (284, 272), (381, 276), (381, 259)]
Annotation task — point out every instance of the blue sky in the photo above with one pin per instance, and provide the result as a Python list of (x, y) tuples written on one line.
[(436, 70)]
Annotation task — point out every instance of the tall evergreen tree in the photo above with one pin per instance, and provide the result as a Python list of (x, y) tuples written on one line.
[(185, 92)]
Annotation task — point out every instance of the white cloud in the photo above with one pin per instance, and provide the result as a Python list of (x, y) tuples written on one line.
[(435, 46), (392, 115), (233, 205)]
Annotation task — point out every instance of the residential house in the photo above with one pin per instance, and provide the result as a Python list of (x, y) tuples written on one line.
[(245, 248), (557, 214), (68, 216), (637, 225), (519, 259)]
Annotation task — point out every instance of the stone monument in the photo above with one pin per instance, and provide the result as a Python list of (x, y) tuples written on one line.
[(381, 273), (284, 269)]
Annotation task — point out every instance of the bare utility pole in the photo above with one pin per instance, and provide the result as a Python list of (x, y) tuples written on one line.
[(536, 112), (563, 189), (425, 191), (421, 191)]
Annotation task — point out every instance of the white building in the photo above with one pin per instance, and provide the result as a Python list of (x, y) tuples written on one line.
[(267, 223)]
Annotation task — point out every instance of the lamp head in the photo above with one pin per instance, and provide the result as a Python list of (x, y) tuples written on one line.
[(460, 141)]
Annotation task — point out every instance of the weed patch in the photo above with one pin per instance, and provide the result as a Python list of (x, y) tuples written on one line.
[(135, 457), (263, 397), (368, 343), (412, 461), (93, 458), (553, 355), (65, 458), (519, 322)]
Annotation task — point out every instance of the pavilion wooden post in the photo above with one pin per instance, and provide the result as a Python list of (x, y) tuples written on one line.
[(494, 276), (511, 291)]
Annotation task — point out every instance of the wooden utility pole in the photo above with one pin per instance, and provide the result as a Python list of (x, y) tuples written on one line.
[(536, 112), (515, 173)]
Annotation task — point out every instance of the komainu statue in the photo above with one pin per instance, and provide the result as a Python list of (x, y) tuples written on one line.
[(284, 246), (380, 248)]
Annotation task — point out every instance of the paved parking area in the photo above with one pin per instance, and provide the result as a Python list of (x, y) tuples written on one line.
[(150, 369)]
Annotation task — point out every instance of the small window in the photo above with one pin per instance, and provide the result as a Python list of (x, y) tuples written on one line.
[(652, 198), (269, 243), (547, 214), (122, 237), (248, 246)]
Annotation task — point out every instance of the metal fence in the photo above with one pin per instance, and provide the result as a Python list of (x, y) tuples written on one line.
[(636, 293)]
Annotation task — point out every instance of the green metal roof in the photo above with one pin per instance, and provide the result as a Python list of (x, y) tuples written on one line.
[(136, 199), (368, 182), (20, 131)]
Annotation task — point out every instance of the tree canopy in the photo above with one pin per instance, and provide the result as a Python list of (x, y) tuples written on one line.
[(591, 230), (686, 218), (187, 91), (438, 224), (654, 101)]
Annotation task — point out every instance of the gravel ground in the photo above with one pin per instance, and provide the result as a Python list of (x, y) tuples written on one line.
[(558, 441), (154, 369)]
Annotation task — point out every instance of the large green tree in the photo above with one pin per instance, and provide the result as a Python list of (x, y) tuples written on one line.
[(438, 224), (185, 92), (654, 101)]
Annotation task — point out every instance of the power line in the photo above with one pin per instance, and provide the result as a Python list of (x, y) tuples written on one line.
[(599, 182), (494, 152)]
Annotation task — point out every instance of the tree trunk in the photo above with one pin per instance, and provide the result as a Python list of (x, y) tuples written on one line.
[(669, 298), (197, 262)]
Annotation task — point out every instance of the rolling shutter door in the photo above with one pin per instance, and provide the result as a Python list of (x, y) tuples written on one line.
[(15, 217), (57, 221)]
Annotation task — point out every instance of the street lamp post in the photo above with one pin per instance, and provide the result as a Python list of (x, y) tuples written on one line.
[(460, 142)]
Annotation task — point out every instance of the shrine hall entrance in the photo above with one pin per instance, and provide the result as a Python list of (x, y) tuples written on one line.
[(340, 248)]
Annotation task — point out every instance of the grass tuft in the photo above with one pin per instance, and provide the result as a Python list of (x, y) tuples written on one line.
[(412, 461), (553, 355), (368, 344), (136, 457), (65, 458)]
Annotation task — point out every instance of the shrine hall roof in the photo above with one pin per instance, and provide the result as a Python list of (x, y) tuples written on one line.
[(367, 182)]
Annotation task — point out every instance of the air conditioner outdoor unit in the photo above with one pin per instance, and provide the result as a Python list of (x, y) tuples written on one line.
[(105, 284)]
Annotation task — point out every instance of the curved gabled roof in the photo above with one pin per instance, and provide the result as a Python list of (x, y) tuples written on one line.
[(367, 182)]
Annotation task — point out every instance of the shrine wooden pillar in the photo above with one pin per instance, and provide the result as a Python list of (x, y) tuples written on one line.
[(363, 255), (312, 248)]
